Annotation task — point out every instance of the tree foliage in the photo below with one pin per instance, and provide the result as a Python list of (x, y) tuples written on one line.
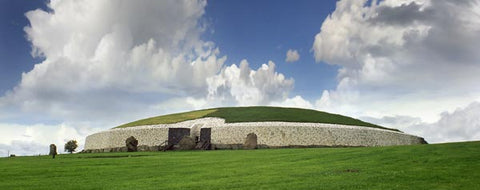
[(71, 145)]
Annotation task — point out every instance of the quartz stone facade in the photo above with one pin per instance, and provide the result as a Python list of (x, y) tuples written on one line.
[(269, 135)]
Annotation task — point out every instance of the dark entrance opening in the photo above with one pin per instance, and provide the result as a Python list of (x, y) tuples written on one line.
[(176, 134), (205, 134)]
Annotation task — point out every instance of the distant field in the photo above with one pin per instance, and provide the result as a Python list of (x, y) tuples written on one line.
[(255, 114), (435, 166)]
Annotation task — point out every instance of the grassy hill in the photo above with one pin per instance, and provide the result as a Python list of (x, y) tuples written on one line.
[(255, 114), (435, 166)]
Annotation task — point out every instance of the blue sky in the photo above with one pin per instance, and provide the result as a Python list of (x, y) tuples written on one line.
[(257, 33), (14, 47), (260, 31), (72, 68)]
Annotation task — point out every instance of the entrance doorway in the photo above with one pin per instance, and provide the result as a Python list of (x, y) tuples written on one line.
[(176, 134), (205, 134)]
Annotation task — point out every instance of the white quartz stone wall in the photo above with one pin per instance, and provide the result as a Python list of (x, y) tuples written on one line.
[(278, 134), (150, 135), (272, 134)]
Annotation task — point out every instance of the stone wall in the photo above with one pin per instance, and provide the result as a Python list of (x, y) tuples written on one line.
[(151, 135), (284, 134), (270, 134)]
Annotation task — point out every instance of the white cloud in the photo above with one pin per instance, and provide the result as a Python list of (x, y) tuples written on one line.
[(35, 139), (295, 102), (244, 86), (411, 58), (459, 125), (119, 57), (21, 148), (90, 48), (292, 56), (105, 56), (110, 62)]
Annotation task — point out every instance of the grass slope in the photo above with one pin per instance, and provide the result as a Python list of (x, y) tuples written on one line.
[(438, 166), (255, 114)]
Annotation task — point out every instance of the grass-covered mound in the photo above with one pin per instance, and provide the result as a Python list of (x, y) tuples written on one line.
[(434, 166), (255, 114)]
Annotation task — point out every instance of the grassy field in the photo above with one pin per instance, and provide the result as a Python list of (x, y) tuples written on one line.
[(254, 114), (437, 166)]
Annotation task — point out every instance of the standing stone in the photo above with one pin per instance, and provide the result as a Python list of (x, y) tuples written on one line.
[(187, 143), (53, 150), (250, 141), (131, 144)]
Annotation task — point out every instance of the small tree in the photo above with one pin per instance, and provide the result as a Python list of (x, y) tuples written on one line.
[(70, 146)]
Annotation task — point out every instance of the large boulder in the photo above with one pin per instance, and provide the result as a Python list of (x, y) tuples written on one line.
[(187, 143), (131, 144), (250, 141)]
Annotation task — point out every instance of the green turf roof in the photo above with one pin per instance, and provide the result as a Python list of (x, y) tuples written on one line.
[(255, 114)]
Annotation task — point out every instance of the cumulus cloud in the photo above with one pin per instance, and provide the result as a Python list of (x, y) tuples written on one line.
[(103, 54), (292, 56), (401, 57), (295, 102), (106, 56), (241, 85), (110, 62), (459, 125)]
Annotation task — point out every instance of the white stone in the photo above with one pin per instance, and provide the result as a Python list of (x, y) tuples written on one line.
[(272, 134)]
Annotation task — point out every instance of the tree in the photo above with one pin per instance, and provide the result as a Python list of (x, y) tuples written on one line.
[(71, 145)]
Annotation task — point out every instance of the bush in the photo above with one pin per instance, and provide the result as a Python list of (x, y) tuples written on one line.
[(70, 146)]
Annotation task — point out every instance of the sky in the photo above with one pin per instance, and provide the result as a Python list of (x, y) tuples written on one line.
[(72, 68)]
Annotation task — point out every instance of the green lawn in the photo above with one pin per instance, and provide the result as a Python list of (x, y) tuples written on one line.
[(435, 166), (254, 114)]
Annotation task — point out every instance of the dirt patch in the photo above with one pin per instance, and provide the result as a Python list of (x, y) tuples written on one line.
[(351, 171), (114, 156)]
